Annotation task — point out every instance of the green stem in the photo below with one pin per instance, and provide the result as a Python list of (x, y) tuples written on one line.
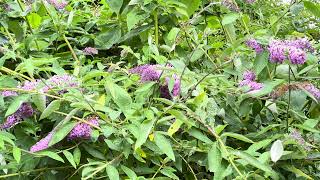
[(156, 26), (9, 71), (289, 99)]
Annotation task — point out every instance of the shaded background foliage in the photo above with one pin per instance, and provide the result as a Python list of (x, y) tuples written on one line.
[(212, 130)]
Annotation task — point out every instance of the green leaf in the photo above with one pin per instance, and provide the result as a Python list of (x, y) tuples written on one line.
[(145, 129), (168, 171), (192, 6), (237, 136), (16, 103), (69, 156), (16, 153), (77, 155), (307, 128), (107, 39), (260, 62), (134, 17), (94, 152), (199, 135), (40, 101), (53, 106), (115, 5), (252, 161), (61, 133), (197, 54), (164, 144), (112, 172), (313, 8), (214, 158), (131, 174), (296, 171), (276, 151), (34, 20), (50, 154), (268, 87), (214, 22), (258, 145), (229, 18), (119, 95)]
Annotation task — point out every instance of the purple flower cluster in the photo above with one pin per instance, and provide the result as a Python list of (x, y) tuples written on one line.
[(9, 93), (249, 75), (249, 81), (61, 82), (90, 51), (164, 89), (42, 144), (313, 90), (24, 111), (254, 45), (301, 43), (59, 5), (29, 85), (277, 50), (83, 130), (297, 56), (152, 73), (296, 50), (230, 5), (296, 135)]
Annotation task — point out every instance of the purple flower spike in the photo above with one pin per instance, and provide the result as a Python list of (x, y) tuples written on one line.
[(297, 56), (249, 75), (254, 45), (255, 86), (313, 90), (61, 82), (301, 43), (147, 72), (11, 121), (164, 89), (90, 51), (9, 93), (24, 111), (42, 144), (277, 51), (29, 85), (83, 130)]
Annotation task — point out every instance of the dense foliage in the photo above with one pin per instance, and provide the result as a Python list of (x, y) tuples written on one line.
[(159, 89)]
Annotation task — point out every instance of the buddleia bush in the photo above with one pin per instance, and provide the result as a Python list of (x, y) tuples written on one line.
[(147, 89)]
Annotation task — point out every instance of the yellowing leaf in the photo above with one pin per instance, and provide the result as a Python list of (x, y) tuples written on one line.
[(102, 99), (174, 127)]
